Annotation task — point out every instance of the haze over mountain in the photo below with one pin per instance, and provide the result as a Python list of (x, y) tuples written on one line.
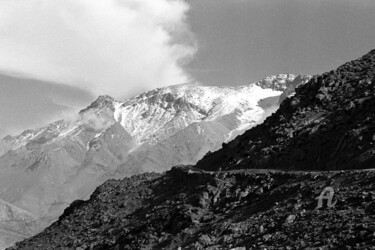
[(30, 103), (45, 169)]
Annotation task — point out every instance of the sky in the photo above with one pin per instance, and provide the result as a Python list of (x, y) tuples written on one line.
[(61, 55), (243, 41)]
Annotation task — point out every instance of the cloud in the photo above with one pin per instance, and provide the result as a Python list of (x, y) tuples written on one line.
[(115, 47), (37, 104)]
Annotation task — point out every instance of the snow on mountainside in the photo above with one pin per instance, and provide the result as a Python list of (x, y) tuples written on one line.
[(45, 169), (168, 110)]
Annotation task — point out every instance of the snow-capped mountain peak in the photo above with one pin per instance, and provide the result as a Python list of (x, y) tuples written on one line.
[(103, 101), (148, 116), (45, 169), (281, 82)]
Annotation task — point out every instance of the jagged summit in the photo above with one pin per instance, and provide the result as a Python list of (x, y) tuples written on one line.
[(101, 102), (277, 82), (281, 82)]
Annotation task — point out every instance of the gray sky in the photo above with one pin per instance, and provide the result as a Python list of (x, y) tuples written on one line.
[(26, 103), (125, 47), (243, 41)]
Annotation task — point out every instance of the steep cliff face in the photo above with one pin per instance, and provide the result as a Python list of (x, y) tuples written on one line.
[(45, 169), (328, 125)]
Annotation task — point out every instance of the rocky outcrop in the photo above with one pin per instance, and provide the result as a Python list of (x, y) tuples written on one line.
[(283, 82), (328, 125), (289, 91)]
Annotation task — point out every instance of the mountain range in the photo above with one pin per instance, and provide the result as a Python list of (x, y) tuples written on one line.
[(259, 191), (43, 170)]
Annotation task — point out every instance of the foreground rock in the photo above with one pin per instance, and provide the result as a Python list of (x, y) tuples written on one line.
[(328, 125), (244, 209)]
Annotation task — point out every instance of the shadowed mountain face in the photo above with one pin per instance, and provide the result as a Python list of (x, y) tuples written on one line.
[(328, 125), (44, 170)]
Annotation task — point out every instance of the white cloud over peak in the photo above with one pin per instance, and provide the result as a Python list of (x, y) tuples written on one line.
[(116, 47)]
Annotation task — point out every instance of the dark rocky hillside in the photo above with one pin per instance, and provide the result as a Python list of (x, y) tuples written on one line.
[(328, 125), (244, 209)]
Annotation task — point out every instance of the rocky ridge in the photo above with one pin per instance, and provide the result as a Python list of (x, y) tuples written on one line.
[(329, 124)]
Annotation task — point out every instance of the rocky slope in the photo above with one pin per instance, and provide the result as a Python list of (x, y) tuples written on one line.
[(328, 125), (43, 170), (227, 210)]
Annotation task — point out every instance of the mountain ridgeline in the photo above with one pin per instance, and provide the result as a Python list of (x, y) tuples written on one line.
[(229, 200), (329, 124)]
